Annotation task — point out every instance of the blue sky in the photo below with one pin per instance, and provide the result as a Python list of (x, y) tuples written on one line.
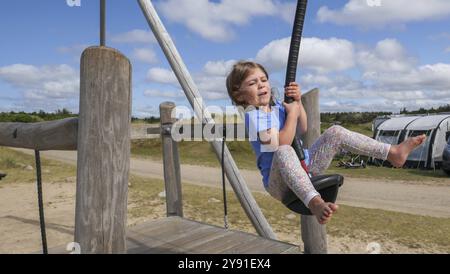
[(364, 55)]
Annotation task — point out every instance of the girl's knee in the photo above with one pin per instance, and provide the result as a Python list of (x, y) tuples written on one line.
[(336, 130), (285, 150)]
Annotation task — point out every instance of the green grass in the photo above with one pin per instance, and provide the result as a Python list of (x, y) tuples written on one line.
[(196, 153), (405, 174), (365, 128)]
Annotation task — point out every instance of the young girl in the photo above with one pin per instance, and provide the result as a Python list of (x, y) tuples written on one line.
[(272, 128)]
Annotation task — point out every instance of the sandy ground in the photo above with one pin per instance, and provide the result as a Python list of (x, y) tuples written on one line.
[(19, 223)]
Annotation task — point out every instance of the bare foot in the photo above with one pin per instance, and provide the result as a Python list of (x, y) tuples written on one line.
[(322, 210), (399, 153)]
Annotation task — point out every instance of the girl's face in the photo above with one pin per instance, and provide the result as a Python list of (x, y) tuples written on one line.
[(255, 89)]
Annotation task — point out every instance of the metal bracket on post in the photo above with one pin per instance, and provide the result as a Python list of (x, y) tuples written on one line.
[(166, 129)]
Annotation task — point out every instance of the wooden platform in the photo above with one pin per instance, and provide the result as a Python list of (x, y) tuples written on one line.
[(175, 235)]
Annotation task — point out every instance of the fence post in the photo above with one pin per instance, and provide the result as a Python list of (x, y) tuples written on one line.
[(314, 235), (174, 203), (103, 151)]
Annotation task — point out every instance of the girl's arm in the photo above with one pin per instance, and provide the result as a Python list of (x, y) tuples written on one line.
[(293, 91), (287, 133), (302, 119)]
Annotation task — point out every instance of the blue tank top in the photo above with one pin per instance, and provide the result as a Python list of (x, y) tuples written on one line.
[(256, 121)]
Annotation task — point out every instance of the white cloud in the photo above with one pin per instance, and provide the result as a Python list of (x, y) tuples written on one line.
[(134, 36), (210, 82), (434, 77), (219, 68), (390, 67), (145, 55), (447, 50), (389, 79), (48, 87), (384, 77), (359, 13), (321, 55), (215, 20), (46, 82), (212, 87), (388, 56), (168, 94), (162, 76)]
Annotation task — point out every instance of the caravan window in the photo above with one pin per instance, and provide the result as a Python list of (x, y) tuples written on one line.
[(447, 136), (389, 133), (419, 132)]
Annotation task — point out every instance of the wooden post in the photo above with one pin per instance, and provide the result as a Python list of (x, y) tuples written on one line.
[(103, 151), (314, 235), (236, 180), (171, 162)]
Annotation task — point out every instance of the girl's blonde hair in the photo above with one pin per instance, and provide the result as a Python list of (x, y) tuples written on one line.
[(241, 70)]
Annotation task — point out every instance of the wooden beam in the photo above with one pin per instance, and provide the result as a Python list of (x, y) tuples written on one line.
[(103, 151), (174, 203), (314, 235), (236, 180), (53, 135)]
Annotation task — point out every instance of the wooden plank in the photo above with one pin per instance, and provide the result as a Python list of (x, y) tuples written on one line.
[(103, 151), (292, 250), (213, 238), (53, 135), (177, 235), (154, 130), (167, 229), (259, 245), (226, 243), (230, 241), (236, 180), (184, 244), (163, 242)]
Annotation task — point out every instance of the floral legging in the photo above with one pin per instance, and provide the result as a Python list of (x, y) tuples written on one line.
[(287, 173)]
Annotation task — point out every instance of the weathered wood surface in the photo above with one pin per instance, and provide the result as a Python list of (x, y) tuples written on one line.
[(310, 101), (236, 180), (314, 235), (176, 235), (103, 151), (58, 135), (53, 135), (172, 180)]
